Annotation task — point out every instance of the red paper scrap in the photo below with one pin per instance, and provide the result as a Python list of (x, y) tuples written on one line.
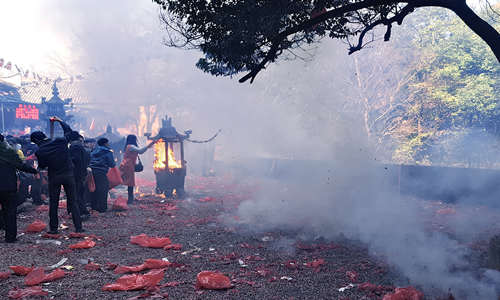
[(405, 293), (148, 264), (38, 276), (21, 270), (136, 281), (36, 226), (83, 244), (27, 292), (212, 281), (150, 242)]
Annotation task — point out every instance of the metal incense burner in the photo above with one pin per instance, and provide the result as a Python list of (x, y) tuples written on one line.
[(170, 171)]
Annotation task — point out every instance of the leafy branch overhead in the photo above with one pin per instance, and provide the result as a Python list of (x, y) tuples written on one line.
[(246, 35)]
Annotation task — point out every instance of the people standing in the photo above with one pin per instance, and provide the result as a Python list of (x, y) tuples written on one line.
[(9, 162), (101, 159), (127, 166), (81, 159), (54, 155)]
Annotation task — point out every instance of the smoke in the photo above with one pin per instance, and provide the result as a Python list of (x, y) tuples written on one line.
[(306, 114)]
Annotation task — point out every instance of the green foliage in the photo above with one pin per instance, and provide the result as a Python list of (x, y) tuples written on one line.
[(457, 86)]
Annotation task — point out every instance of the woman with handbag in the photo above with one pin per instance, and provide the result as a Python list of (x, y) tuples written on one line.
[(131, 163)]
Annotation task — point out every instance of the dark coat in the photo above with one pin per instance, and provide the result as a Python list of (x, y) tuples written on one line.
[(101, 159), (81, 159), (54, 155), (9, 162)]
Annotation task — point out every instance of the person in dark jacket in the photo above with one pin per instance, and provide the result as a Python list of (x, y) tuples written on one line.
[(54, 155), (81, 159), (9, 162), (101, 159)]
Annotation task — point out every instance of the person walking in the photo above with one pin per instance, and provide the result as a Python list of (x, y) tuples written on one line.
[(54, 155), (127, 166), (81, 159), (101, 159), (9, 163)]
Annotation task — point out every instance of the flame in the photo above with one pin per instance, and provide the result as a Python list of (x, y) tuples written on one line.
[(159, 163)]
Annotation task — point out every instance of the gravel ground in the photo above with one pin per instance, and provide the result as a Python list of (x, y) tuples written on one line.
[(261, 266)]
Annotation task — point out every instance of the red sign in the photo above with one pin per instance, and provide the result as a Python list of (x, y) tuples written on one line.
[(27, 111)]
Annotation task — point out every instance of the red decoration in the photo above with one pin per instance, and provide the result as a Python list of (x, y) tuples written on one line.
[(27, 111)]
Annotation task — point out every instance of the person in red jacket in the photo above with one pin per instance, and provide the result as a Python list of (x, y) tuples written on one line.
[(127, 166)]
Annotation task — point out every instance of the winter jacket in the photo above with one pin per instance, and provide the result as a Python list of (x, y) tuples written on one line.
[(9, 162), (101, 159), (54, 155), (81, 159)]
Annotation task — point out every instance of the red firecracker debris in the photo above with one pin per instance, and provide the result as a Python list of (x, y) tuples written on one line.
[(21, 270), (27, 292), (76, 235), (38, 276), (83, 244), (42, 208), (173, 247), (170, 284), (91, 266), (51, 236), (63, 204), (4, 275), (148, 264), (36, 226), (406, 293), (352, 275), (370, 287), (120, 204), (136, 281), (291, 264), (212, 281), (207, 199), (315, 263), (150, 242)]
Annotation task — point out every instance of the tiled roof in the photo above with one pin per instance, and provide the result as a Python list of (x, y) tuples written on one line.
[(34, 92), (9, 94)]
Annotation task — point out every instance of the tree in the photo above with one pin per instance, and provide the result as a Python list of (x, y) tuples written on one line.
[(452, 113), (246, 35)]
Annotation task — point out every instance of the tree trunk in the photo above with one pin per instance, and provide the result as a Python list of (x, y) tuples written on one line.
[(484, 30)]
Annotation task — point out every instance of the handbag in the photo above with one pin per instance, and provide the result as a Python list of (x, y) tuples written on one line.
[(138, 166), (90, 182)]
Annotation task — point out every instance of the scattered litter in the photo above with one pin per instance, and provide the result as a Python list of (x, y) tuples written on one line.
[(173, 247), (120, 204), (242, 263), (406, 293), (150, 242), (83, 244), (91, 266), (27, 292), (51, 236), (58, 264), (345, 288), (38, 276), (211, 249), (36, 226), (286, 278), (267, 239), (55, 242), (68, 267), (148, 264), (212, 281), (196, 249), (4, 275), (135, 282), (21, 270)]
